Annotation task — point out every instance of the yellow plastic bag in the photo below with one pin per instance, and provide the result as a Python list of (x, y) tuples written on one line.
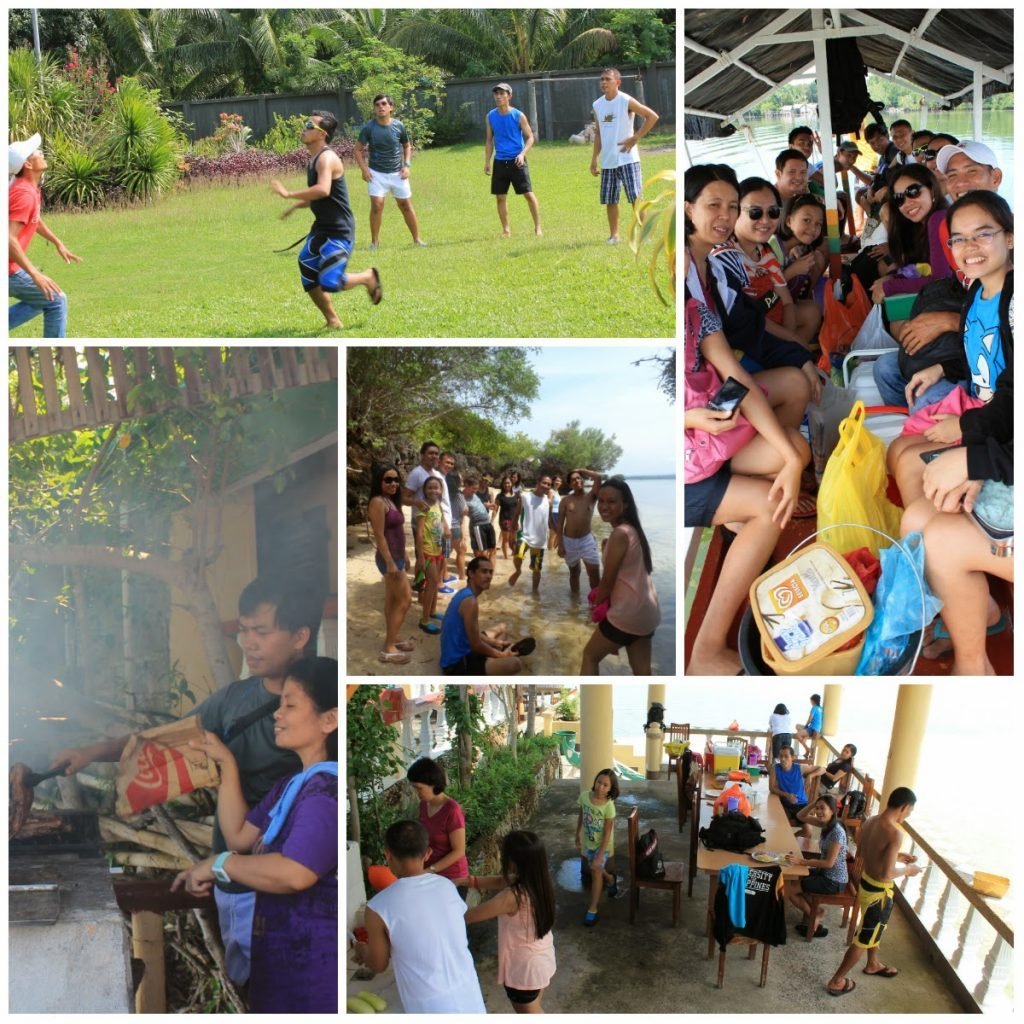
[(853, 489)]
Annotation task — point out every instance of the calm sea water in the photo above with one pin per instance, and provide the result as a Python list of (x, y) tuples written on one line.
[(962, 766), (770, 138)]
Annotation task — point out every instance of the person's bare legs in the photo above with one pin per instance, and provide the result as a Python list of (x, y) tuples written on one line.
[(613, 220), (593, 573), (504, 544), (957, 557), (789, 391), (397, 601), (574, 578), (808, 321), (428, 595), (853, 954), (517, 568), (536, 572), (409, 214), (908, 469), (376, 216), (531, 201), (639, 655), (503, 215), (322, 301), (598, 879), (598, 648)]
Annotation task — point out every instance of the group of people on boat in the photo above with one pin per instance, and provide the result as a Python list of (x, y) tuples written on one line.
[(451, 510), (756, 263)]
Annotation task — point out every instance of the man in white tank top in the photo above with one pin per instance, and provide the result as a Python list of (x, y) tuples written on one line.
[(534, 508), (615, 145)]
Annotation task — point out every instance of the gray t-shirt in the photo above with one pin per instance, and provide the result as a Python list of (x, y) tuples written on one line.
[(261, 762), (386, 142)]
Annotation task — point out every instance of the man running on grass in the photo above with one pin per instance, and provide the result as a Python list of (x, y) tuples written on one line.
[(509, 139), (34, 291), (323, 261)]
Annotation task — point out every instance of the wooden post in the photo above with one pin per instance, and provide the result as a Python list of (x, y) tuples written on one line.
[(148, 946)]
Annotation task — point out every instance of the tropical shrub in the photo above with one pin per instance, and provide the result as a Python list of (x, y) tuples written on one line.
[(656, 218), (77, 177), (282, 134), (452, 127), (254, 162), (233, 135)]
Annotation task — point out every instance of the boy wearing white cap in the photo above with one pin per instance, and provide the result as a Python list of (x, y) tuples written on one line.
[(968, 165), (34, 291)]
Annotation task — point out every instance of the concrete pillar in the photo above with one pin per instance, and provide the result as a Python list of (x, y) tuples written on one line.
[(656, 694), (595, 732), (655, 742), (832, 702), (909, 723), (547, 717)]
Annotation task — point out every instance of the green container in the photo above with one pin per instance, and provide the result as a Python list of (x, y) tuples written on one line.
[(898, 307)]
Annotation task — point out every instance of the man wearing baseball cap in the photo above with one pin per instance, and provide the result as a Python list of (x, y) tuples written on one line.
[(34, 291), (967, 166), (509, 138)]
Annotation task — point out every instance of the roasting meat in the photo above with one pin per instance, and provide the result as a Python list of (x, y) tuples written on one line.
[(20, 820)]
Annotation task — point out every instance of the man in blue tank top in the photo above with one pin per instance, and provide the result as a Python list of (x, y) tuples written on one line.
[(509, 139), (323, 261)]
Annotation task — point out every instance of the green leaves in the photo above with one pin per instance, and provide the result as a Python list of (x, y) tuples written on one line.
[(655, 219)]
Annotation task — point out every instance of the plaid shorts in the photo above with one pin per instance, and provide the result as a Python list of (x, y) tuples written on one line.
[(627, 176)]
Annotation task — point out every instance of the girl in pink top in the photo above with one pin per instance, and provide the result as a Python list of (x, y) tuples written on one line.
[(626, 583), (443, 819), (525, 909)]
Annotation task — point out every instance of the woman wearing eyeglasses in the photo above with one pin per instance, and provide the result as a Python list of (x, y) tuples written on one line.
[(916, 209), (760, 209), (388, 524)]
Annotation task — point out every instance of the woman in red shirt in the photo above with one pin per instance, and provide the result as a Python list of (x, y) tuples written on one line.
[(443, 819)]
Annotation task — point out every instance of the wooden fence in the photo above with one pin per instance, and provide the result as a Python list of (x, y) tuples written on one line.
[(57, 389)]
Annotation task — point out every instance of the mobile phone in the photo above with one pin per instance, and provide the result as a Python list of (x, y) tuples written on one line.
[(729, 396), (927, 457)]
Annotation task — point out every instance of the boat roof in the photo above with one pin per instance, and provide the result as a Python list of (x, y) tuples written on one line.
[(736, 57)]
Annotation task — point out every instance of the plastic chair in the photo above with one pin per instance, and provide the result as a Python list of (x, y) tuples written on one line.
[(672, 880)]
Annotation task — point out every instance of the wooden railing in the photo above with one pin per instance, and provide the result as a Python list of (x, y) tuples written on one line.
[(57, 389)]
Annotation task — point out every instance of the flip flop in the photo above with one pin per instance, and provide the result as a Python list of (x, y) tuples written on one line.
[(939, 631), (848, 986), (406, 645), (806, 506), (430, 627), (446, 590), (589, 919), (886, 972), (377, 292), (525, 646), (394, 657), (438, 616), (820, 932)]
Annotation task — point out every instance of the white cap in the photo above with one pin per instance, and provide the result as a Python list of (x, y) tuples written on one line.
[(19, 152), (976, 151)]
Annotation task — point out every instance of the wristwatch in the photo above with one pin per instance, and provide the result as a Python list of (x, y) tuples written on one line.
[(218, 866)]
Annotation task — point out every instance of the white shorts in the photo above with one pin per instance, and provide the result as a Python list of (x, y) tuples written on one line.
[(382, 184), (581, 548)]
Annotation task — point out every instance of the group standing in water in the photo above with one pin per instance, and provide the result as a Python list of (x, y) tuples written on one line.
[(622, 599)]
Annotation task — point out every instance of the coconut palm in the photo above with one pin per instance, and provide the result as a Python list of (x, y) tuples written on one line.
[(505, 41)]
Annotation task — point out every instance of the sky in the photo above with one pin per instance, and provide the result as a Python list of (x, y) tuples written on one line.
[(598, 386)]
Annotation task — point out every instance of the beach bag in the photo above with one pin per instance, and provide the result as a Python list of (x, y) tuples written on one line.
[(721, 805), (872, 334), (954, 403), (649, 861), (158, 765), (733, 832), (853, 489), (705, 453), (841, 321)]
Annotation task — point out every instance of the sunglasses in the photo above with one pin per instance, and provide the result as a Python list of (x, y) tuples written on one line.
[(315, 127), (389, 480), (757, 212), (929, 154), (911, 192), (920, 150)]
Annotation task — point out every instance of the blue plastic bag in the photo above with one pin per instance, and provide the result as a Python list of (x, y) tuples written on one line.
[(898, 612)]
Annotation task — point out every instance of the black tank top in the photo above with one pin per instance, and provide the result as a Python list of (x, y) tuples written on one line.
[(333, 213)]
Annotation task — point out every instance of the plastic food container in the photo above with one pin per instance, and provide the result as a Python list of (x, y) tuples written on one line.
[(808, 606), (990, 516)]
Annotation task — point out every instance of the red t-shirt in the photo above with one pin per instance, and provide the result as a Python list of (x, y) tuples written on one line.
[(449, 818), (24, 201)]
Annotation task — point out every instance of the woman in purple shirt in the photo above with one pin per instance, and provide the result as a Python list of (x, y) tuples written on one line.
[(443, 819), (287, 850)]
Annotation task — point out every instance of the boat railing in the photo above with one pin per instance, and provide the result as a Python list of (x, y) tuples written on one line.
[(959, 924)]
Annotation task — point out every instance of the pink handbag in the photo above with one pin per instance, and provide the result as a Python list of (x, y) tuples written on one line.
[(956, 403), (705, 453)]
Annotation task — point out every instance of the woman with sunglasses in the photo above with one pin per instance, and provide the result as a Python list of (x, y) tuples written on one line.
[(388, 524), (760, 209), (916, 209)]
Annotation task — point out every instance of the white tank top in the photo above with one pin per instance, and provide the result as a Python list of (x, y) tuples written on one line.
[(615, 123)]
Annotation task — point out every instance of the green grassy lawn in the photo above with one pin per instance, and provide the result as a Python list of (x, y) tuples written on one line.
[(200, 263)]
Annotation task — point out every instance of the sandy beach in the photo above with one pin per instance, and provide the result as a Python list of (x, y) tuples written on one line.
[(559, 623)]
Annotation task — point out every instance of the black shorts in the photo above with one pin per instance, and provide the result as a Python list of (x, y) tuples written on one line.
[(481, 537), (792, 810), (818, 882), (619, 636), (521, 996), (472, 664), (505, 173), (704, 497)]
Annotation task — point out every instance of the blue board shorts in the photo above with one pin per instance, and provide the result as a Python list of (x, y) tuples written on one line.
[(323, 262)]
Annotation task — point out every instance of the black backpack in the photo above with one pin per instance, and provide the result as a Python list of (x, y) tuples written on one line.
[(732, 831), (854, 804), (649, 861)]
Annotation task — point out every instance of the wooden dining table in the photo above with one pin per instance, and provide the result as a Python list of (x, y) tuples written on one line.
[(778, 836)]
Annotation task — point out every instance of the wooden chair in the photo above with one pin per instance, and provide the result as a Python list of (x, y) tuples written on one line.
[(846, 898), (744, 744), (736, 940), (676, 733), (694, 834), (672, 880)]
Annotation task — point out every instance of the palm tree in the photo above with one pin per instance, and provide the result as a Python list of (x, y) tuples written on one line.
[(505, 41)]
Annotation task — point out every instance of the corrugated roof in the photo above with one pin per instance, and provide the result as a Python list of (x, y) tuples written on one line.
[(982, 37)]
